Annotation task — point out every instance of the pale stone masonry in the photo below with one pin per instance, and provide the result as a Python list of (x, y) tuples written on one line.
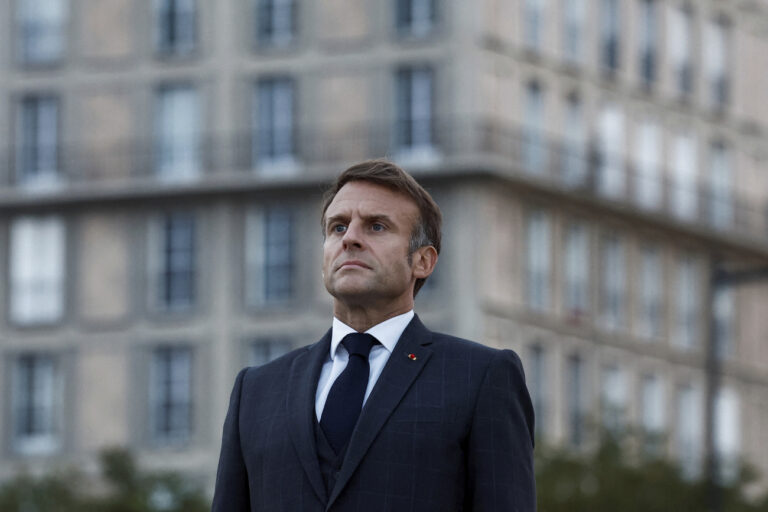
[(161, 165)]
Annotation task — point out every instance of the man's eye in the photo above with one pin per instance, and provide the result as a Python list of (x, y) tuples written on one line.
[(338, 228), (377, 227)]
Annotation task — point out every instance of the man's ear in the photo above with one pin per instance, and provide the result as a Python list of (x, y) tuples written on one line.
[(424, 261)]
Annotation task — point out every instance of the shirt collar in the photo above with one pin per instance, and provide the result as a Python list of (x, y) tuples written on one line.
[(387, 332)]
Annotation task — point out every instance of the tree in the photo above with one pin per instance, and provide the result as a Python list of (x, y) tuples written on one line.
[(613, 478), (121, 487)]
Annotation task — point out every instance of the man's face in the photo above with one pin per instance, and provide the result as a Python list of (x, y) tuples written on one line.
[(365, 253)]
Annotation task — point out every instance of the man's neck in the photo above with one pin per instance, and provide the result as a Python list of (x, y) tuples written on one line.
[(362, 319)]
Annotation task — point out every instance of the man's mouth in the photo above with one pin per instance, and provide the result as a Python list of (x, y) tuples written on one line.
[(353, 264)]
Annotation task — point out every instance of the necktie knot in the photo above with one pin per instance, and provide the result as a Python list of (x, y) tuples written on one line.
[(359, 344)]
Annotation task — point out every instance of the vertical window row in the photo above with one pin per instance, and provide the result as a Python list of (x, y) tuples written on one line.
[(175, 26), (414, 127), (274, 133), (576, 402), (686, 312), (270, 256), (680, 53), (534, 14), (574, 19), (36, 404), (576, 271), (176, 272), (534, 142), (40, 31), (37, 130), (575, 157), (689, 422), (610, 29), (647, 42), (613, 398), (37, 276), (652, 419), (415, 18), (649, 318), (177, 133), (647, 174), (171, 395), (538, 261), (613, 283), (276, 22)]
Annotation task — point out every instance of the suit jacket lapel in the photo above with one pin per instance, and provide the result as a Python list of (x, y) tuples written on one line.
[(302, 384), (404, 365)]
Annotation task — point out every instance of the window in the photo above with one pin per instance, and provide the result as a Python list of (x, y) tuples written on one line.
[(414, 127), (650, 302), (274, 135), (538, 260), (680, 34), (176, 26), (609, 35), (576, 271), (37, 256), (574, 14), (727, 433), (647, 43), (574, 391), (275, 22), (175, 281), (41, 29), (720, 186), (270, 255), (575, 146), (537, 382), (689, 423), (37, 133), (652, 415), (534, 145), (684, 177), (686, 331), (610, 149), (177, 128), (533, 20), (266, 350), (36, 402), (613, 283), (171, 395), (614, 399), (415, 18), (716, 58), (648, 182), (724, 309)]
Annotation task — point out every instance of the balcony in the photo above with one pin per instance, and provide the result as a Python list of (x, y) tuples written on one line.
[(311, 156)]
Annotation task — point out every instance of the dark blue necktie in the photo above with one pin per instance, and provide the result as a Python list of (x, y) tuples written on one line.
[(345, 400)]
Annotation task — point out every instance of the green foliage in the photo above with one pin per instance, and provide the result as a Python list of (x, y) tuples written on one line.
[(122, 488), (611, 479)]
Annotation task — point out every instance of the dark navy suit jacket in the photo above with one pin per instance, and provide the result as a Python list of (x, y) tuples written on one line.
[(447, 427)]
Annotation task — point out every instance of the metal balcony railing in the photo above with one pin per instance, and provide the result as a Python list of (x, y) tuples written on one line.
[(303, 151)]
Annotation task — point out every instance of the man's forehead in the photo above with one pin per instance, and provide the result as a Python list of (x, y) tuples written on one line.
[(371, 199)]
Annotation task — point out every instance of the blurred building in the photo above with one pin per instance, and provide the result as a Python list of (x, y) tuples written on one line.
[(161, 164)]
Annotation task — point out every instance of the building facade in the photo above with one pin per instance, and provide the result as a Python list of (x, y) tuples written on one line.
[(162, 164)]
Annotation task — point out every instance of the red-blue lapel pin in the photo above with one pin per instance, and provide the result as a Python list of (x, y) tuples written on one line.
[(412, 357)]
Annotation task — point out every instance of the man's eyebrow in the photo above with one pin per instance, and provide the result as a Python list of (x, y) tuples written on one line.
[(368, 218), (335, 218)]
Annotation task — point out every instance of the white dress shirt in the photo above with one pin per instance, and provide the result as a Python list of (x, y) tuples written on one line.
[(387, 332)]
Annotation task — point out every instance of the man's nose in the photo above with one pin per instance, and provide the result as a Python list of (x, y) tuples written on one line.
[(352, 236)]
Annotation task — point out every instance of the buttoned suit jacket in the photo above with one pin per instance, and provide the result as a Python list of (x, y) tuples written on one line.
[(447, 427)]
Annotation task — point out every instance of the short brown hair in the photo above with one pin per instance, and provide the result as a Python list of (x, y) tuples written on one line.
[(383, 172)]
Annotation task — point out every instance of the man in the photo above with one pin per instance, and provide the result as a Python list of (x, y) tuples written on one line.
[(446, 424)]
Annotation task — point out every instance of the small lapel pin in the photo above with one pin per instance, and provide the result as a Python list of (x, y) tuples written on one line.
[(412, 357)]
